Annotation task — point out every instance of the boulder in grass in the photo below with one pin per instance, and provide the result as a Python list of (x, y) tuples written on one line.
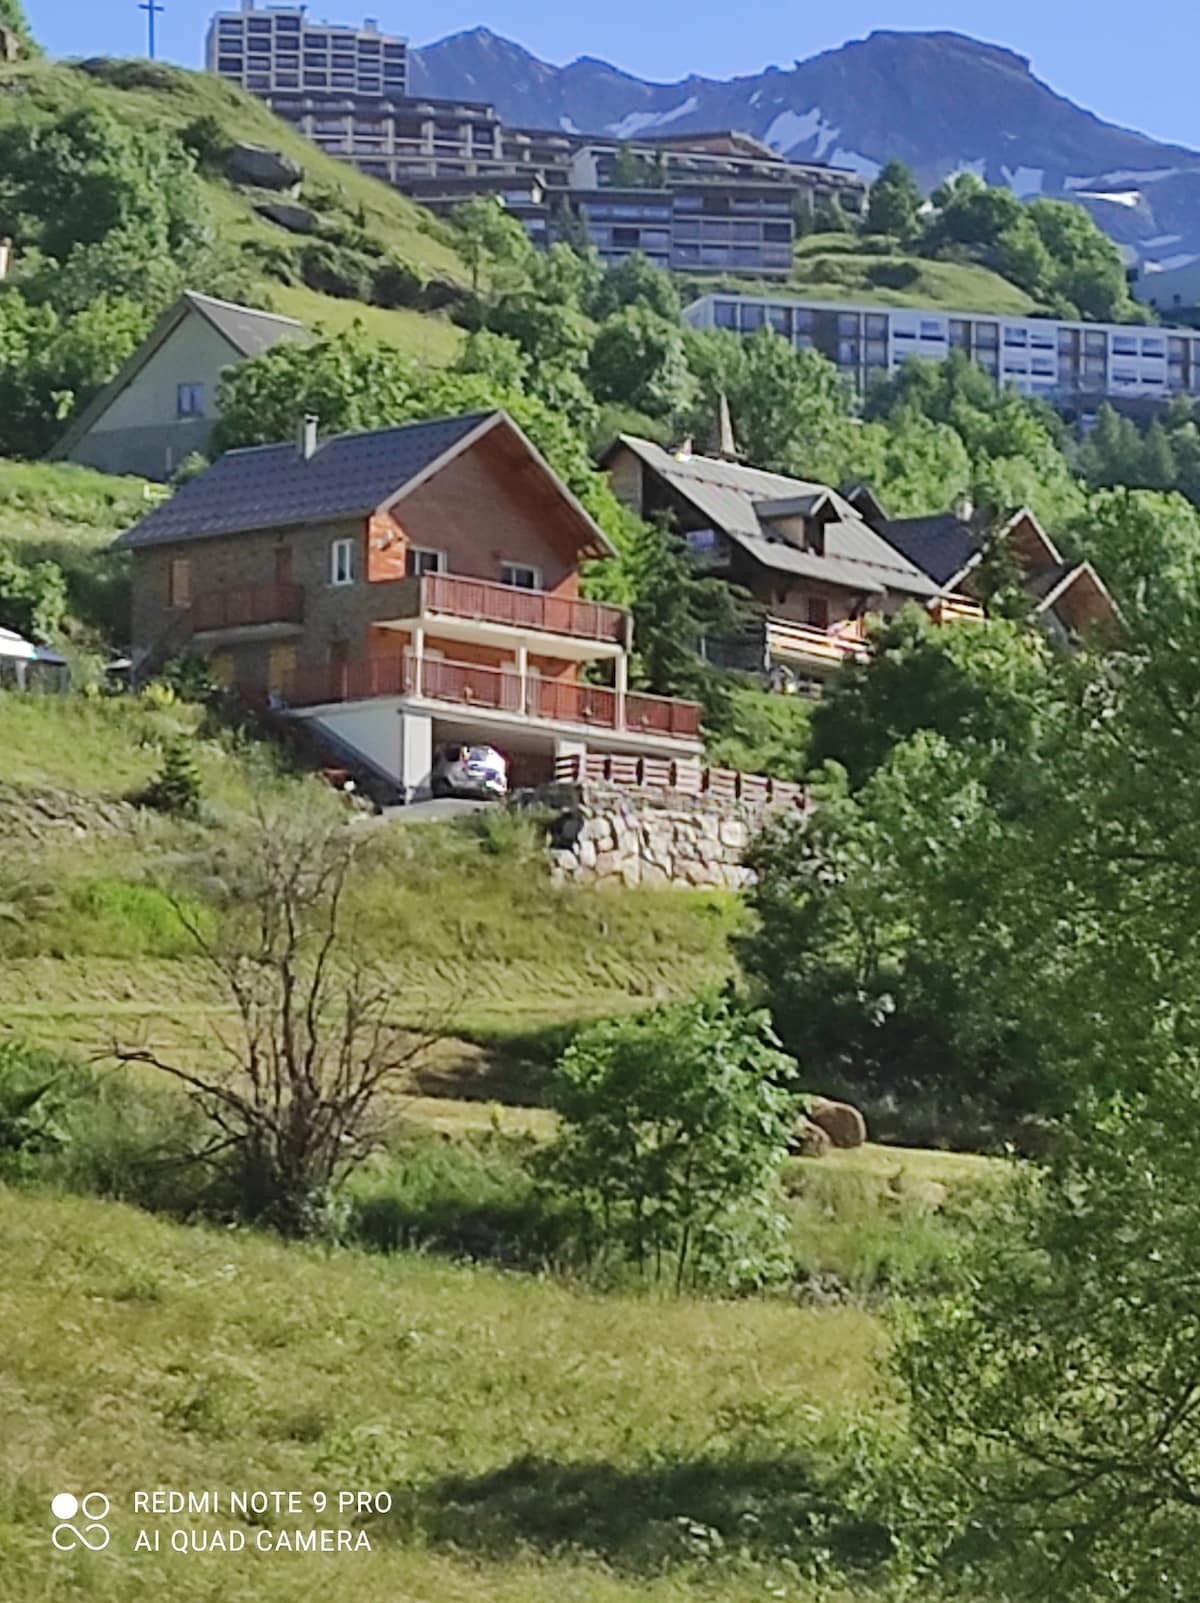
[(267, 168), (808, 1140), (844, 1125)]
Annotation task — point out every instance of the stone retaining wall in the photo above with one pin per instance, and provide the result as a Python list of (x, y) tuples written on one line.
[(609, 833)]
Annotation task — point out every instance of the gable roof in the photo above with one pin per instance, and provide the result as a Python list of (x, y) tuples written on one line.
[(740, 501), (347, 476), (940, 546), (246, 330), (945, 546)]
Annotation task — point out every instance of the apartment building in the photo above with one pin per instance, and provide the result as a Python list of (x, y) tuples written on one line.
[(710, 202), (1076, 365), (693, 227), (726, 159), (399, 140), (277, 49), (400, 589)]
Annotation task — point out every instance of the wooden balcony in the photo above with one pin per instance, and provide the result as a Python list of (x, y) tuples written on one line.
[(247, 607), (821, 648), (503, 606), (955, 609), (502, 690)]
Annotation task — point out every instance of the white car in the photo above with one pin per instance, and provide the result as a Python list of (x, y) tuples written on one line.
[(471, 771)]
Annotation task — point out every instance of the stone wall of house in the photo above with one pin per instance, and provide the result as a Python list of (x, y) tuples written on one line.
[(602, 833)]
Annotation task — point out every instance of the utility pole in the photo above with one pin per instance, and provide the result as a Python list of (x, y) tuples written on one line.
[(152, 9)]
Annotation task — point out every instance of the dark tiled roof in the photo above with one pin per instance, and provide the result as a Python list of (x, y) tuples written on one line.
[(274, 486), (940, 546), (248, 330)]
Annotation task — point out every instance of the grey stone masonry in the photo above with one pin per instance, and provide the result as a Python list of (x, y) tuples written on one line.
[(607, 833)]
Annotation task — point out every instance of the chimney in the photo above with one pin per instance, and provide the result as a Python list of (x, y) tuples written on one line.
[(683, 451), (963, 508), (727, 446), (6, 255), (307, 441)]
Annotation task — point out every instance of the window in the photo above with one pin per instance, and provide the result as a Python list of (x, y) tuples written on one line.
[(179, 583), (422, 559), (818, 612), (701, 542), (520, 576), (341, 562)]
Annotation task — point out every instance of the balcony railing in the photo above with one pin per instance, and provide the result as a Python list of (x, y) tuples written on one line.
[(463, 684), (247, 605), (450, 596), (803, 642), (688, 777), (954, 608)]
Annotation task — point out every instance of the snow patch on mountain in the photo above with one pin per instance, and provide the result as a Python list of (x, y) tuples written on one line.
[(792, 128), (637, 122), (1116, 197), (1151, 175), (1025, 181)]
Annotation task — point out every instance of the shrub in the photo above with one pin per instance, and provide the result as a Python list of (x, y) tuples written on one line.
[(893, 275), (336, 270), (151, 1148), (175, 788), (675, 1126), (207, 140), (395, 285), (190, 678), (34, 1088)]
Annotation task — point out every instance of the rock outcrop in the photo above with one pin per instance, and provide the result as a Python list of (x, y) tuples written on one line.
[(264, 167), (844, 1125)]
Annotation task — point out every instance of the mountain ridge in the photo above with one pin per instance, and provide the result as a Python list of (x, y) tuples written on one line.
[(940, 100)]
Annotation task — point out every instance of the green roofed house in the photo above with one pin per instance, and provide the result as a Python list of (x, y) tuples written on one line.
[(162, 405)]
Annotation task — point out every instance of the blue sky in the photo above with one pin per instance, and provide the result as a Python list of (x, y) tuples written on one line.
[(1133, 65)]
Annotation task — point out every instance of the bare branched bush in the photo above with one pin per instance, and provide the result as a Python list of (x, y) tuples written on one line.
[(299, 1090)]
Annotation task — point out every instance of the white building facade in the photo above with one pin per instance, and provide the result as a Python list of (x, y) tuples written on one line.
[(279, 49), (1065, 362)]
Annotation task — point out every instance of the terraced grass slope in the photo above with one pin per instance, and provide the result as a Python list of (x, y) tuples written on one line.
[(464, 919), (844, 267)]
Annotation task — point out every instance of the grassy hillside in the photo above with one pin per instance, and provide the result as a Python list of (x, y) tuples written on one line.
[(837, 267), (427, 337), (538, 1443), (159, 96), (845, 267)]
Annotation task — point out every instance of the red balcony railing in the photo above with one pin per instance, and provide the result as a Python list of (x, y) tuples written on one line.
[(246, 605), (464, 684), (456, 597), (662, 715)]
